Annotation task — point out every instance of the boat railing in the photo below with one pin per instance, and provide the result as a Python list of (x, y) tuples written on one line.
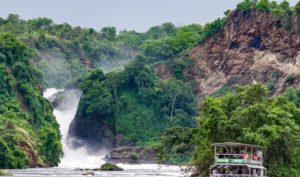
[(238, 159), (234, 175)]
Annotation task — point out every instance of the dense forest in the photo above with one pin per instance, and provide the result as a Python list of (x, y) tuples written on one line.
[(139, 89), (29, 132), (138, 96)]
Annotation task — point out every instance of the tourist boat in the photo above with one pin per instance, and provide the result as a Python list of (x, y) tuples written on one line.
[(238, 160)]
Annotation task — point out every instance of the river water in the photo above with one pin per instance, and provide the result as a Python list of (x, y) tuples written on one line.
[(74, 159), (129, 171)]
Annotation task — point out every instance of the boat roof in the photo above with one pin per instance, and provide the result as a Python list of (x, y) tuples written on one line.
[(233, 144)]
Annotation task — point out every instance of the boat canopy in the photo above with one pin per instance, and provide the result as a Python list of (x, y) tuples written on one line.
[(232, 144)]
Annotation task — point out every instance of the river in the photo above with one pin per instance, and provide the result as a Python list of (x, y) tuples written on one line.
[(129, 171), (74, 159)]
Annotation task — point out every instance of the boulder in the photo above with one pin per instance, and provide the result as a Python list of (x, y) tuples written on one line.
[(5, 173), (135, 155), (110, 167)]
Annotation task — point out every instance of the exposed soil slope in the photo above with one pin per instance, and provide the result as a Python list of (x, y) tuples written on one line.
[(253, 47)]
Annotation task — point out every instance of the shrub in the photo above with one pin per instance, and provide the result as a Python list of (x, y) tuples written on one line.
[(110, 167), (263, 6), (297, 8), (246, 5), (290, 78), (211, 29)]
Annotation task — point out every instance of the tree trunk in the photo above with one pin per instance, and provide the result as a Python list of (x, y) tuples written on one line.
[(173, 103)]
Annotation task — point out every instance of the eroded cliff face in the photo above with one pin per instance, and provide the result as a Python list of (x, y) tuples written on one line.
[(254, 47)]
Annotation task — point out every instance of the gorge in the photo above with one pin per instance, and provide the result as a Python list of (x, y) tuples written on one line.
[(73, 98)]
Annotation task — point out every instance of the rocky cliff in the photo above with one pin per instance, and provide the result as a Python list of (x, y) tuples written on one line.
[(253, 47)]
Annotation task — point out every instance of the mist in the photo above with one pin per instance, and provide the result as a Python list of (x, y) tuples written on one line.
[(65, 112)]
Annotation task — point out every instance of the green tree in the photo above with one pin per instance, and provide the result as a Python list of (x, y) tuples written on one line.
[(297, 8), (293, 95), (249, 116), (263, 5), (246, 5), (109, 33), (43, 23)]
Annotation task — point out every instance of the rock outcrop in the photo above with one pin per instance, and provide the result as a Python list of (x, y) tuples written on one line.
[(132, 155), (253, 47), (110, 167)]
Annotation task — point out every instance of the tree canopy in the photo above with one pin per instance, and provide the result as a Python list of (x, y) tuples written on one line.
[(248, 115)]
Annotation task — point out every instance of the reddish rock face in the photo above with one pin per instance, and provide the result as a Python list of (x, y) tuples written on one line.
[(253, 47)]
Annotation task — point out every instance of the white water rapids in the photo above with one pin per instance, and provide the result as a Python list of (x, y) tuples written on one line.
[(80, 158), (72, 158)]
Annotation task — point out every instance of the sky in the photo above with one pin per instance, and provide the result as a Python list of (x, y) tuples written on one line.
[(137, 15)]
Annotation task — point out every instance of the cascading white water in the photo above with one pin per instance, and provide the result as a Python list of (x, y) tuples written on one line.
[(65, 113), (80, 158)]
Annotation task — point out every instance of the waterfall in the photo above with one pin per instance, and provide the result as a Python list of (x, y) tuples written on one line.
[(65, 112)]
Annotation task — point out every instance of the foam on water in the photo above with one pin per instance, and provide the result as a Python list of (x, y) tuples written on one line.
[(72, 158), (80, 158)]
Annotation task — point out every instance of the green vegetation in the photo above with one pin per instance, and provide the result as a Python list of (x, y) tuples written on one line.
[(134, 98), (176, 145), (64, 53), (293, 95), (248, 115), (282, 11), (60, 54), (110, 167), (137, 97), (137, 101), (212, 29), (25, 116), (290, 78)]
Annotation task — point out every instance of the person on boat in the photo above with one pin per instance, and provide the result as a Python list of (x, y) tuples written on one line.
[(215, 171), (254, 173), (255, 156), (259, 154), (246, 156)]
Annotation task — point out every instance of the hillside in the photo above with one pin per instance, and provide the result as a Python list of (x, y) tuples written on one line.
[(254, 46), (115, 104), (63, 53), (161, 90), (171, 89), (29, 134)]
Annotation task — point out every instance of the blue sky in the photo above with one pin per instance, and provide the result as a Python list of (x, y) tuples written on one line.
[(124, 14)]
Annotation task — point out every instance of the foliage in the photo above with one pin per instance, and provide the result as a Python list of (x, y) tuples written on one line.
[(290, 78), (109, 33), (293, 95), (50, 145), (11, 50), (96, 101), (263, 5), (176, 145), (246, 5), (249, 116), (134, 98), (23, 110), (297, 8), (170, 46), (110, 167), (212, 29)]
